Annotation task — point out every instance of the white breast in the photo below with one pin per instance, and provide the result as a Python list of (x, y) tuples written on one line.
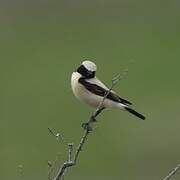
[(82, 93)]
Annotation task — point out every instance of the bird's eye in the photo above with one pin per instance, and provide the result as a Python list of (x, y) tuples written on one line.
[(82, 70), (85, 72)]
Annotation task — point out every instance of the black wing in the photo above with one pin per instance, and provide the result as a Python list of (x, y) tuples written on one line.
[(100, 91)]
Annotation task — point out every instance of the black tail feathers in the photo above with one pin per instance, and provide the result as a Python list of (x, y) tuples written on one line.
[(132, 111)]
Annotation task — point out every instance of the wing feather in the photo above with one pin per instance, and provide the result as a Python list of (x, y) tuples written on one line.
[(101, 91)]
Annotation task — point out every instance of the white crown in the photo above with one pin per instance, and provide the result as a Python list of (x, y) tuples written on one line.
[(89, 65)]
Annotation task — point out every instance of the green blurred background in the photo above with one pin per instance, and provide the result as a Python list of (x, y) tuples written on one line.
[(42, 42)]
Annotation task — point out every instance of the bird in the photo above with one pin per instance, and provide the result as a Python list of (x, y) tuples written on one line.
[(90, 90)]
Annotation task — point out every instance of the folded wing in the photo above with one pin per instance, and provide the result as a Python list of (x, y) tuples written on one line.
[(102, 91)]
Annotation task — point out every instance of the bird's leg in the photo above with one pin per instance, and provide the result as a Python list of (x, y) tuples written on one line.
[(97, 112), (92, 119), (87, 125)]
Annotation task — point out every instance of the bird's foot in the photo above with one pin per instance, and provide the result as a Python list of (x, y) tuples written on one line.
[(87, 126), (93, 119)]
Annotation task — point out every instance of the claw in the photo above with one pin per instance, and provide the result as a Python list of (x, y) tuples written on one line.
[(87, 127), (93, 119)]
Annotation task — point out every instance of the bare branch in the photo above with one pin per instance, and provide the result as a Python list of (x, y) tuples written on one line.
[(88, 129), (172, 173), (79, 148)]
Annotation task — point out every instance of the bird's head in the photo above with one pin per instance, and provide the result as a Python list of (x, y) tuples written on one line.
[(87, 69)]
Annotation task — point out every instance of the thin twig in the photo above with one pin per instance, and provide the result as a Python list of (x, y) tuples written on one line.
[(20, 172), (172, 173), (52, 167), (49, 169), (70, 149), (58, 136), (88, 129)]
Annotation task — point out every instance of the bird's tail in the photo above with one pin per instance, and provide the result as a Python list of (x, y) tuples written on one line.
[(132, 111)]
